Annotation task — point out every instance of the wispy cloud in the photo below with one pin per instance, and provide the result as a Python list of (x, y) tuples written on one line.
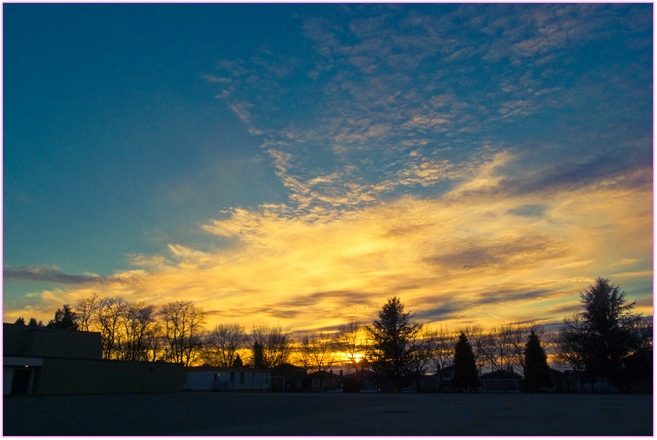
[(373, 128), (449, 258), (52, 274)]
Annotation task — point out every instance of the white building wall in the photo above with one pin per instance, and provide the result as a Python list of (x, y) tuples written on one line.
[(199, 380), (221, 380)]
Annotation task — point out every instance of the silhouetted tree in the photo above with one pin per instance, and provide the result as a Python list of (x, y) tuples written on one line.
[(107, 319), (443, 353), (596, 340), (33, 323), (258, 356), (317, 353), (237, 363), (465, 368), (421, 351), (506, 346), (391, 335), (352, 341), (86, 310), (20, 321), (65, 318), (481, 344), (537, 371), (135, 328), (183, 326), (221, 344), (274, 342)]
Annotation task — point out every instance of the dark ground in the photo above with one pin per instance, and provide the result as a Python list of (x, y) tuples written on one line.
[(233, 414)]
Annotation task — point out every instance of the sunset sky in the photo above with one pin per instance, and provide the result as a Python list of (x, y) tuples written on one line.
[(300, 164)]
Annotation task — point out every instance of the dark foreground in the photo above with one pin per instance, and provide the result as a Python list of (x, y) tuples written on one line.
[(329, 414)]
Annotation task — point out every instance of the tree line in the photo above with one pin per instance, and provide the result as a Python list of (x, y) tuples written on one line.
[(396, 348)]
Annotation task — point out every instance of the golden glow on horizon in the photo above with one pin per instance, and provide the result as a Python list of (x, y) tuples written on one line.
[(465, 257)]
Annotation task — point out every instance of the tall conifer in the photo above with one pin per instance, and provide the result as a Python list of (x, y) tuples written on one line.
[(465, 368), (537, 371)]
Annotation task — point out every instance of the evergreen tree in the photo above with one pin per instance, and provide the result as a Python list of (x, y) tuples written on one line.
[(537, 371), (596, 340), (258, 356), (391, 336), (465, 368), (33, 323), (20, 321), (65, 318), (237, 363)]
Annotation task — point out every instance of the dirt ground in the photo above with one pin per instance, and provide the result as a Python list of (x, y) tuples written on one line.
[(233, 414)]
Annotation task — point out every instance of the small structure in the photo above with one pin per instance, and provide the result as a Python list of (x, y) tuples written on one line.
[(362, 382), (245, 379), (444, 378), (322, 381), (287, 377), (558, 379), (42, 360), (501, 381)]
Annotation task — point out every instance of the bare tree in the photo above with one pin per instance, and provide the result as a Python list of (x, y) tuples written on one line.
[(352, 341), (272, 345), (155, 343), (108, 317), (222, 343), (443, 354), (86, 310), (420, 353), (183, 325), (135, 324), (507, 344), (317, 353), (480, 343)]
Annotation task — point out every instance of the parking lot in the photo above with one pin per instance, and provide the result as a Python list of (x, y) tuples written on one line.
[(234, 414)]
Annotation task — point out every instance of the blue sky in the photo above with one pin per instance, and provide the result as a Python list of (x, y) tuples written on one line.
[(302, 163)]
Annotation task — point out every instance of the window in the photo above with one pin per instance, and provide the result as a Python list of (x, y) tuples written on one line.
[(232, 376), (242, 377)]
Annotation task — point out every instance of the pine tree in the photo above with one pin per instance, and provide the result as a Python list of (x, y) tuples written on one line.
[(537, 371), (258, 356), (596, 340), (465, 368), (391, 335), (33, 323), (65, 318)]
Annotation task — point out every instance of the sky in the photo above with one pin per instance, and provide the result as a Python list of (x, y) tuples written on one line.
[(300, 164)]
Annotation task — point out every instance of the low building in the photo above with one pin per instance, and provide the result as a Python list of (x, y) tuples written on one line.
[(361, 382), (322, 381), (244, 379), (287, 378), (42, 360), (501, 381)]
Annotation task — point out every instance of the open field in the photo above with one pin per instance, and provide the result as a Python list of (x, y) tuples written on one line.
[(329, 414)]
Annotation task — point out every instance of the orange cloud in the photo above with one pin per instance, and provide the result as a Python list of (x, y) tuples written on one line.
[(469, 256)]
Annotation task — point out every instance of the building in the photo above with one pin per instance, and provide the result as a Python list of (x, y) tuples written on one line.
[(505, 381), (322, 381), (42, 360), (227, 379), (287, 377)]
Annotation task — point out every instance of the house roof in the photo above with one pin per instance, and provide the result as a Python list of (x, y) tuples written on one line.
[(501, 374), (229, 369)]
